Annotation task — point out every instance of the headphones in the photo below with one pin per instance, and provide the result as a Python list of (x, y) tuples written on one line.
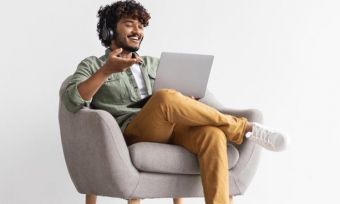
[(107, 33)]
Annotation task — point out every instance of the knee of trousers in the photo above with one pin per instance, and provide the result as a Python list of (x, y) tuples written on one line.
[(211, 137), (166, 96)]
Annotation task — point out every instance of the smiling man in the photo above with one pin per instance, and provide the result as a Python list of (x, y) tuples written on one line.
[(120, 77)]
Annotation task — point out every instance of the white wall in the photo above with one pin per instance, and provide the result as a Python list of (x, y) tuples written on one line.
[(281, 57)]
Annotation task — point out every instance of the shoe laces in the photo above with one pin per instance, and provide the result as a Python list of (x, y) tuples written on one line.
[(263, 135)]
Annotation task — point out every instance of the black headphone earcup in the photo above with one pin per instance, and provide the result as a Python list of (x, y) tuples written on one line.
[(111, 34), (107, 33)]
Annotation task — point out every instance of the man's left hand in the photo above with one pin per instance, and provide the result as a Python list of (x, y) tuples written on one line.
[(194, 98)]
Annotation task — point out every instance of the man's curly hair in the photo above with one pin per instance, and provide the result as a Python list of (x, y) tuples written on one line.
[(114, 12)]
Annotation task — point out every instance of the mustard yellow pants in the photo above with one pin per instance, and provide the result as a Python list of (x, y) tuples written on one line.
[(170, 117)]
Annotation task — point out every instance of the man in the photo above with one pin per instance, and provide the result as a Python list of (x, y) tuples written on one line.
[(121, 77)]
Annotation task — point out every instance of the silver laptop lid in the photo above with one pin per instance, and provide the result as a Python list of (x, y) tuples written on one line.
[(187, 73)]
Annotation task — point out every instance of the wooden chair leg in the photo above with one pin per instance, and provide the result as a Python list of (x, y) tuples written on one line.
[(134, 201), (231, 201), (178, 200), (91, 199)]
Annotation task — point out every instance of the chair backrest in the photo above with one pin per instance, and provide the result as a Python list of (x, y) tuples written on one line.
[(65, 123), (64, 116)]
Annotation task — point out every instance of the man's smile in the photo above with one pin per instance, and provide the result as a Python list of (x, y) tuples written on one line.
[(134, 39)]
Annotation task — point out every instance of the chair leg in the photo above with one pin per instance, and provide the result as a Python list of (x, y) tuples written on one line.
[(178, 200), (231, 201), (90, 199), (134, 201)]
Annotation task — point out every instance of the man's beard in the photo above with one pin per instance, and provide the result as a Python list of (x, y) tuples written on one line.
[(121, 44)]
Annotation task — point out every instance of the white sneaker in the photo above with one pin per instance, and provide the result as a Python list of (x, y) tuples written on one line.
[(269, 139)]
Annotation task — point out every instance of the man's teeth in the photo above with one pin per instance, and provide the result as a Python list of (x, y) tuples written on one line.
[(134, 38)]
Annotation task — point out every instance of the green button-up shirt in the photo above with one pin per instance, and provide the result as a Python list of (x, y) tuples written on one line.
[(117, 92)]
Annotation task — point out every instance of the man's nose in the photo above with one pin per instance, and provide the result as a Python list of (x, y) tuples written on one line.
[(136, 30)]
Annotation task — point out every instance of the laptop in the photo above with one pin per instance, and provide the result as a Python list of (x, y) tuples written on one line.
[(184, 72)]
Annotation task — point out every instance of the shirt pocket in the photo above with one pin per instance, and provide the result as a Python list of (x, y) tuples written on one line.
[(113, 90), (152, 78)]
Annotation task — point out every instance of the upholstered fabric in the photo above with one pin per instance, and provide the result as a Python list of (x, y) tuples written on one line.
[(168, 158), (99, 161)]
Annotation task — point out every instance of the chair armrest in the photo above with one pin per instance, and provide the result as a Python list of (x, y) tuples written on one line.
[(253, 115), (96, 154), (246, 167)]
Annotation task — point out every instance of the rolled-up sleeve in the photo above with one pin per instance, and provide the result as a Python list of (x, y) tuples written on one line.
[(71, 97)]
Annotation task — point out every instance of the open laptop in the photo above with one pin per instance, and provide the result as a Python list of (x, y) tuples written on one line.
[(186, 73)]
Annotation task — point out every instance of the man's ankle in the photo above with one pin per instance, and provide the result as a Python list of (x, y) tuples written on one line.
[(249, 127)]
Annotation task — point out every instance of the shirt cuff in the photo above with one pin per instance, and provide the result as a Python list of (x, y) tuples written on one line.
[(79, 98), (72, 99)]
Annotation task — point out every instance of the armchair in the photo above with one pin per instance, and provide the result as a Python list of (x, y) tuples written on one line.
[(100, 163)]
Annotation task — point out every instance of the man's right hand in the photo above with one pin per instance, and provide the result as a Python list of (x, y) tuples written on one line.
[(115, 63)]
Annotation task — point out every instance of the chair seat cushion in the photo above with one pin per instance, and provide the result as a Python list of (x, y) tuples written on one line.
[(169, 158)]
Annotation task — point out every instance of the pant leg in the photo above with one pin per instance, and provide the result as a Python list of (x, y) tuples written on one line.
[(168, 107), (210, 145)]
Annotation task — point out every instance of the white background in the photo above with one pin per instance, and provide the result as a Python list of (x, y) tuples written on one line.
[(281, 57)]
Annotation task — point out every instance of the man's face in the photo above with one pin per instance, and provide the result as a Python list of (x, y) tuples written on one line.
[(129, 34)]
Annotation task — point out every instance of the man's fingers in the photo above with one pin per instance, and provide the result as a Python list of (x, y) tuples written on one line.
[(193, 97), (139, 59), (117, 51), (131, 60)]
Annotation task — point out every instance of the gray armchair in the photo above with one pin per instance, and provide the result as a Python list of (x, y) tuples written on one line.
[(100, 163)]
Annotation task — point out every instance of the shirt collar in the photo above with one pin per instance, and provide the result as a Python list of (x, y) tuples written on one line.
[(134, 55)]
